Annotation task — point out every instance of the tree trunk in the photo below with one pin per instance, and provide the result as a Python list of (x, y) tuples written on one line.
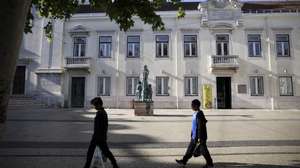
[(13, 16)]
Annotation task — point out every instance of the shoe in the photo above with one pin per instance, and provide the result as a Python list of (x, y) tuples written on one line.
[(206, 166), (181, 162)]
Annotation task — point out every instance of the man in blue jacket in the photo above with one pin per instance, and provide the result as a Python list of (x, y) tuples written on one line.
[(198, 135)]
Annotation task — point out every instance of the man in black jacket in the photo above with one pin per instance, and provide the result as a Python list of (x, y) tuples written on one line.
[(198, 135), (100, 134)]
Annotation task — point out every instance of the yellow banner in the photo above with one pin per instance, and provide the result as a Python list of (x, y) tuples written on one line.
[(207, 96)]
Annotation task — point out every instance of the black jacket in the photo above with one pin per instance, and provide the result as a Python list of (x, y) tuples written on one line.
[(201, 127), (100, 126)]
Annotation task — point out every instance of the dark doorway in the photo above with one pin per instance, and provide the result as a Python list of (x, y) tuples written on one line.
[(19, 81), (224, 92), (77, 91)]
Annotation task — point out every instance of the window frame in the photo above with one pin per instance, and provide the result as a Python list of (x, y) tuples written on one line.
[(162, 43), (222, 42), (197, 88), (190, 42), (163, 79), (79, 48), (134, 86), (292, 85), (98, 86), (282, 46), (111, 46), (257, 85), (139, 45), (254, 46)]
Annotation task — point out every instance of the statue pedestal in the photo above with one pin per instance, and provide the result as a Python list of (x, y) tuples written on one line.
[(143, 108)]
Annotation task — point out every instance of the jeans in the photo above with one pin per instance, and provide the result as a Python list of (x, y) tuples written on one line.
[(205, 153)]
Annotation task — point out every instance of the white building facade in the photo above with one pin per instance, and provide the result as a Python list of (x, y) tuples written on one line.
[(224, 53)]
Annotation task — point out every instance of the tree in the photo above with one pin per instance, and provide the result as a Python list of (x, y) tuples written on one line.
[(17, 17)]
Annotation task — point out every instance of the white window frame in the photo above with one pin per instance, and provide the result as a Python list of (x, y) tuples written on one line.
[(253, 42), (163, 79), (80, 46), (292, 85), (256, 91), (190, 92), (133, 45), (133, 85), (106, 44), (103, 92), (162, 44), (282, 45), (190, 43), (222, 45)]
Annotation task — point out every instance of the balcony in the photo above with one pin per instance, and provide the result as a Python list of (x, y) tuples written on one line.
[(224, 63), (78, 63)]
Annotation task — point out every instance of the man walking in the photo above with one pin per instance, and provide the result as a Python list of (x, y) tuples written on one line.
[(198, 135), (100, 134)]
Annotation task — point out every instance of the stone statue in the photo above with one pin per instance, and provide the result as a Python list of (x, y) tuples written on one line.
[(145, 83), (139, 89), (149, 98)]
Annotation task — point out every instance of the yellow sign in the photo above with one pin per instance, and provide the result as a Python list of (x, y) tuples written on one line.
[(207, 96)]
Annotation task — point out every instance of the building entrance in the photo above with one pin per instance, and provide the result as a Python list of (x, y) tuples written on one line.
[(77, 91), (224, 92), (19, 81)]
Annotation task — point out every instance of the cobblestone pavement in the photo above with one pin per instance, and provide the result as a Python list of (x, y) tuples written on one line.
[(58, 138)]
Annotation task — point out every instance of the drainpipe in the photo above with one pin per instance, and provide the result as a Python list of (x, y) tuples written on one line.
[(176, 66), (270, 74)]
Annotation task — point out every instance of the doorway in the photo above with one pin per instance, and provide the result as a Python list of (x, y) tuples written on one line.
[(224, 92), (77, 91), (19, 81)]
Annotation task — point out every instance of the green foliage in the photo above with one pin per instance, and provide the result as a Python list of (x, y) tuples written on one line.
[(120, 11)]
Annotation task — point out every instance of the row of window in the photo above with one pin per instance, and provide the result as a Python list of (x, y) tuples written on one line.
[(191, 86), (190, 46)]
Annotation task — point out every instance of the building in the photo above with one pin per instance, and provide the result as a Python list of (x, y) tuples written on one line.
[(230, 54)]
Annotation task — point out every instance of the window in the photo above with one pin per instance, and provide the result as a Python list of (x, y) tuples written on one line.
[(79, 46), (162, 45), (191, 86), (222, 42), (282, 45), (105, 46), (190, 46), (254, 45), (257, 85), (103, 86), (286, 86), (162, 86), (131, 83), (133, 46)]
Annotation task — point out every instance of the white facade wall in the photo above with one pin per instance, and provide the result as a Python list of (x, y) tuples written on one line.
[(176, 66)]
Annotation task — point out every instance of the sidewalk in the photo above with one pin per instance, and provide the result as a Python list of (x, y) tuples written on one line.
[(57, 138)]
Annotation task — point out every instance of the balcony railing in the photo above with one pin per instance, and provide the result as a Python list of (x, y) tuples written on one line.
[(78, 62), (224, 62)]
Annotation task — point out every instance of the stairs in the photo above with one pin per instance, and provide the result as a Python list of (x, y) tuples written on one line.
[(22, 102)]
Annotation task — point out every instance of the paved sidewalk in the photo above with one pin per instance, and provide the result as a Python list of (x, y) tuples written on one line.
[(47, 138)]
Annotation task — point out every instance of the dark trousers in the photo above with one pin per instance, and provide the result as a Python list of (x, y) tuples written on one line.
[(190, 150), (105, 151)]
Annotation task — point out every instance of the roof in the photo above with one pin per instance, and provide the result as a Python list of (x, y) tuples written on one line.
[(271, 5), (166, 7), (247, 6)]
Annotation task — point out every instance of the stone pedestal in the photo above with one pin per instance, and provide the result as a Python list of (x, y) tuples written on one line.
[(143, 108)]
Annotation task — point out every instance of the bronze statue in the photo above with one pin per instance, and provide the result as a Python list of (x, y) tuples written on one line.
[(139, 89)]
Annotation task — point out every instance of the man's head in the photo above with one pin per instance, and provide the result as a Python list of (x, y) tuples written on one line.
[(196, 104), (97, 102)]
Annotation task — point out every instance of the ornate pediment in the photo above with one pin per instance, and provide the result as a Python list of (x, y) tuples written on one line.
[(225, 11), (79, 30)]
